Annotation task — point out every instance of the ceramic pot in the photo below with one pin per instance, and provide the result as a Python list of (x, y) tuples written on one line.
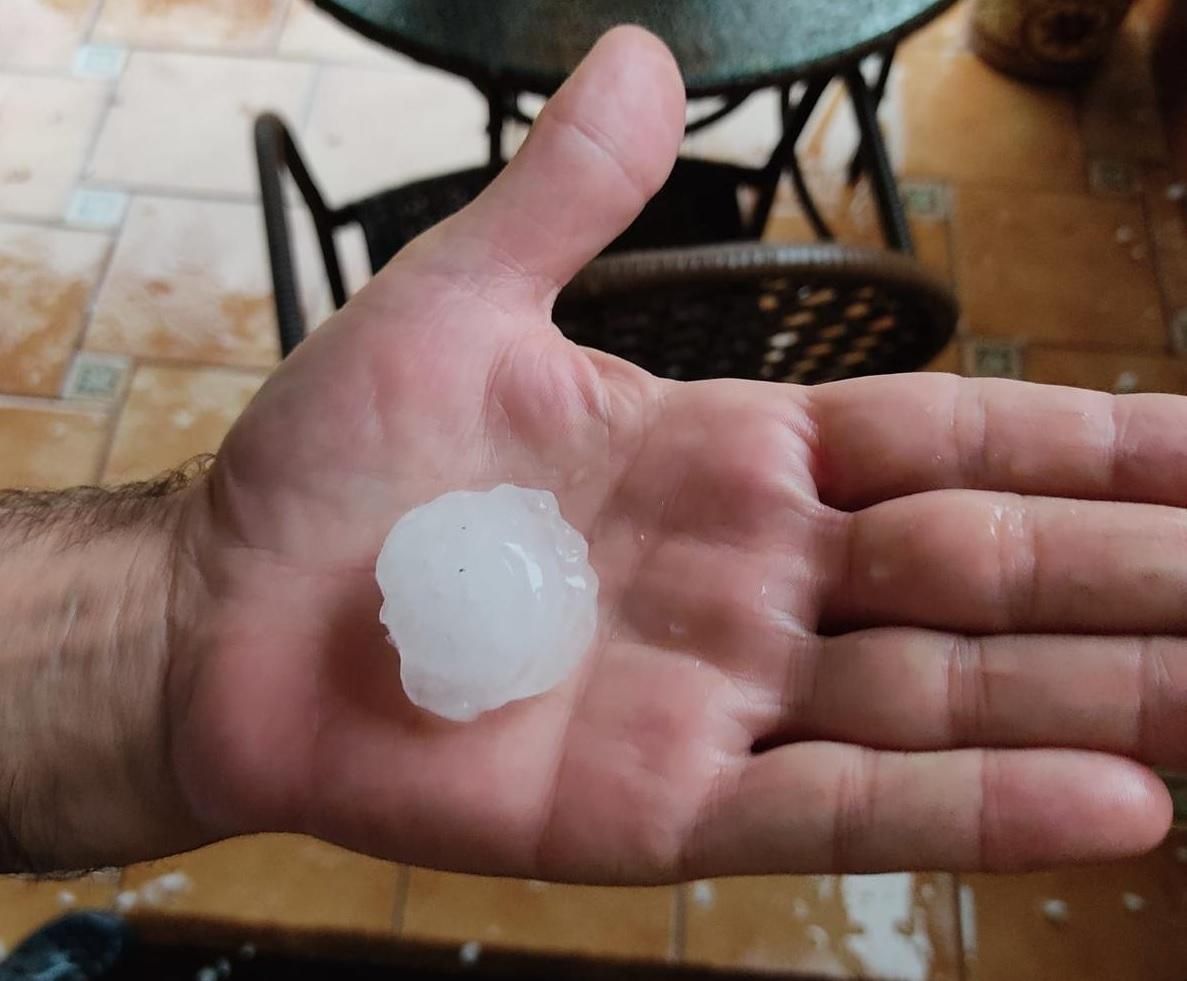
[(1046, 40)]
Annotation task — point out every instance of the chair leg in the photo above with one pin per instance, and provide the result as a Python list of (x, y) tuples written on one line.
[(893, 216), (290, 322), (793, 117), (855, 165)]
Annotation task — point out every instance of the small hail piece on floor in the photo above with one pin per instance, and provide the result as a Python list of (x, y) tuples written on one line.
[(247, 951), (469, 952), (1055, 911), (1132, 902), (206, 973), (125, 901), (67, 898), (703, 893), (489, 598)]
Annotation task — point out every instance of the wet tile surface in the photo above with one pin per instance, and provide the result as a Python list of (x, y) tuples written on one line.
[(268, 879), (225, 24), (42, 33), (48, 124), (51, 447), (353, 157), (894, 926), (145, 141), (1057, 268), (173, 414), (28, 904), (47, 277), (1116, 921), (188, 280), (539, 916)]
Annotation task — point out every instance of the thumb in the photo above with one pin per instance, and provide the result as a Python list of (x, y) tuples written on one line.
[(600, 148)]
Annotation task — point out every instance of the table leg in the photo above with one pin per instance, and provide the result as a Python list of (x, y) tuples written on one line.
[(794, 116), (877, 163), (855, 164)]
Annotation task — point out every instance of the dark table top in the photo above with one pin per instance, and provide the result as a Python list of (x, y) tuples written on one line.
[(722, 45)]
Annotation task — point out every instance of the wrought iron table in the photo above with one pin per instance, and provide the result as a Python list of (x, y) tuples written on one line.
[(727, 49)]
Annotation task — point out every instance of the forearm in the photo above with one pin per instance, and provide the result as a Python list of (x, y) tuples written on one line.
[(86, 609)]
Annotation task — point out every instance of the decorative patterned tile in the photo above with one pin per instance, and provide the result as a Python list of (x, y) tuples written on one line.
[(1092, 924), (174, 414), (46, 280), (96, 376), (42, 33), (225, 24), (287, 880), (534, 915), (147, 142), (882, 926), (47, 124), (1112, 177), (1057, 268), (26, 904), (94, 208), (189, 280), (100, 61), (311, 33), (49, 447), (352, 156), (992, 359)]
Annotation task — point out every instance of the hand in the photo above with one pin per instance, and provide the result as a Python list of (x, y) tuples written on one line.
[(849, 628)]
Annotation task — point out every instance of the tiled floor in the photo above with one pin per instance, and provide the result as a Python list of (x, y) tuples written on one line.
[(135, 325)]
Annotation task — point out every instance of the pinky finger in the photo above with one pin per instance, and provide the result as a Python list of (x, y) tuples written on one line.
[(828, 807)]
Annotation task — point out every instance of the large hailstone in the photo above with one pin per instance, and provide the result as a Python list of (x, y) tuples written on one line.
[(489, 598)]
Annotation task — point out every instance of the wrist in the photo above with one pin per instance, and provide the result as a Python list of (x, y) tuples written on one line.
[(87, 579)]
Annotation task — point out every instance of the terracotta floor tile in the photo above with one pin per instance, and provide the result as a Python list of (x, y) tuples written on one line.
[(42, 33), (311, 33), (885, 926), (147, 142), (1056, 268), (854, 220), (173, 414), (1120, 116), (352, 156), (1095, 924), (48, 124), (1166, 208), (189, 280), (289, 880), (26, 904), (951, 117), (1120, 372), (47, 448), (46, 279), (538, 916), (227, 24)]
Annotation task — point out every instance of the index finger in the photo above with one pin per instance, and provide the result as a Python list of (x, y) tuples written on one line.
[(881, 438)]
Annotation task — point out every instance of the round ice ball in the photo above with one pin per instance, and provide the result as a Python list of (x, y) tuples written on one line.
[(488, 596)]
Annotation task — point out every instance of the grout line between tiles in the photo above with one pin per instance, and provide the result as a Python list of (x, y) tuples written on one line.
[(305, 114), (116, 413), (49, 403), (92, 19), (116, 233), (678, 932), (403, 879)]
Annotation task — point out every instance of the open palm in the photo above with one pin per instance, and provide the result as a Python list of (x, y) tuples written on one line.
[(816, 650)]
